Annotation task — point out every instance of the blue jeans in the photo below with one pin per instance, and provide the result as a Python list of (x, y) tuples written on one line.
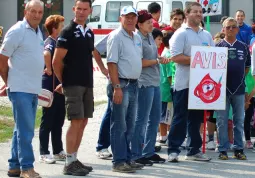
[(147, 122), (237, 103), (24, 107), (104, 132), (183, 119), (123, 121)]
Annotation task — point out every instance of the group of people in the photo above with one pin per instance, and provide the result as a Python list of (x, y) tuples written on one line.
[(148, 71)]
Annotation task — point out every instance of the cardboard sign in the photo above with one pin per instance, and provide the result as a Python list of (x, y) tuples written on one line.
[(211, 7), (208, 73)]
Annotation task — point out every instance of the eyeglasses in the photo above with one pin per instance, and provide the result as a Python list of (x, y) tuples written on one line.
[(231, 27)]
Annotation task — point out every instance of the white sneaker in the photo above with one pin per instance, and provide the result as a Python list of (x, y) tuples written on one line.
[(211, 145), (47, 159), (103, 154), (61, 156), (173, 157), (198, 157)]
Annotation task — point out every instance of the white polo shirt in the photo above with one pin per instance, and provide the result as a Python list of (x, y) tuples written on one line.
[(24, 47)]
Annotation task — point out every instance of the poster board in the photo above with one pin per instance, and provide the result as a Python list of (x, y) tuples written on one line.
[(211, 7), (208, 75)]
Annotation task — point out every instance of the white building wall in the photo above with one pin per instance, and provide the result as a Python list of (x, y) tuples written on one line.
[(8, 13)]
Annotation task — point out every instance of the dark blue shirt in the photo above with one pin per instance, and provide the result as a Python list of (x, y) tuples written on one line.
[(47, 81), (238, 60), (244, 34)]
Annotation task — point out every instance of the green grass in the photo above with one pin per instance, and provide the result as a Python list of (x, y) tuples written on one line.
[(7, 123)]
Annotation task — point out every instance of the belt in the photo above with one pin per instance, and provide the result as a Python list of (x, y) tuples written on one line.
[(129, 80)]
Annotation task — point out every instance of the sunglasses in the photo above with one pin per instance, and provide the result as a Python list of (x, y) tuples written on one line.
[(231, 27)]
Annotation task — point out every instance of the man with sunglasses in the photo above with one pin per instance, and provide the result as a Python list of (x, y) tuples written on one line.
[(239, 62)]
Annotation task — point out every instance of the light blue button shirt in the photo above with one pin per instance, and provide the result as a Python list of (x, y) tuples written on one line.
[(24, 47)]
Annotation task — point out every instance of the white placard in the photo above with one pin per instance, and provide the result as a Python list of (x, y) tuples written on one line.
[(211, 7), (208, 72)]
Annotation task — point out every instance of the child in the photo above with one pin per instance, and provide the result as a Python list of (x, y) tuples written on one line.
[(165, 86)]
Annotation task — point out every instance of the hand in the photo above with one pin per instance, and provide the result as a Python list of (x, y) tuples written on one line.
[(117, 96), (246, 106), (105, 72), (3, 91), (48, 71), (163, 25), (59, 89), (163, 60)]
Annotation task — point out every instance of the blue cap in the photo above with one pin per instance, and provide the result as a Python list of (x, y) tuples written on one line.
[(127, 10)]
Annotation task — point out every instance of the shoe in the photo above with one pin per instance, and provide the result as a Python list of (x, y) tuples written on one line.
[(60, 157), (156, 159), (198, 157), (210, 145), (239, 154), (103, 154), (14, 173), (135, 166), (248, 145), (89, 168), (47, 159), (144, 161), (157, 148), (223, 155), (254, 146), (173, 157), (30, 173), (163, 142), (123, 167), (75, 169)]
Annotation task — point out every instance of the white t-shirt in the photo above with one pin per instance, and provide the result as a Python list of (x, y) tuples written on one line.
[(24, 47)]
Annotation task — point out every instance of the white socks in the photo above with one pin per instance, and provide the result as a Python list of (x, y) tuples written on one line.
[(71, 158), (163, 138)]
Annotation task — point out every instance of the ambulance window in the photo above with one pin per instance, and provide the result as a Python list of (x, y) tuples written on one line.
[(113, 9), (187, 3), (177, 4), (144, 5), (96, 12)]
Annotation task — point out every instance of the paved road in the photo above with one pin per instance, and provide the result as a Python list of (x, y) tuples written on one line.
[(102, 168)]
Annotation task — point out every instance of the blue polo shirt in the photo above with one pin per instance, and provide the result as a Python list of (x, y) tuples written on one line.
[(47, 81), (238, 60), (244, 34)]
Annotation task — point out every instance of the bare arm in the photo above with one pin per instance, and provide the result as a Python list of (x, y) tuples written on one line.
[(99, 62), (181, 59), (47, 60), (57, 63), (247, 70), (114, 77), (4, 68), (161, 60)]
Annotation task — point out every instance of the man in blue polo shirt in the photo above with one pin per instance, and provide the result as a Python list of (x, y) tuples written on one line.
[(21, 68), (245, 32), (239, 62)]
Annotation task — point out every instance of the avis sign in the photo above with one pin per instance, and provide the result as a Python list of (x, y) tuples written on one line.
[(208, 72)]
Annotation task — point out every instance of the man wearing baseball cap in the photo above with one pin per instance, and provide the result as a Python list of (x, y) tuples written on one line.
[(124, 60)]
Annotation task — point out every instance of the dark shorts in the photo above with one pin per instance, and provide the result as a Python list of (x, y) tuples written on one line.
[(79, 102)]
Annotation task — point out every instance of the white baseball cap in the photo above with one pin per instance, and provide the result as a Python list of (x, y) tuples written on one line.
[(127, 10)]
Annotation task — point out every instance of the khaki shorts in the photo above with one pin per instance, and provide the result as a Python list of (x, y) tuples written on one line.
[(79, 102)]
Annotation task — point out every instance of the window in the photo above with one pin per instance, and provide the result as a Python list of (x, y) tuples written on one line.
[(141, 5), (225, 12), (177, 4), (113, 9), (96, 12)]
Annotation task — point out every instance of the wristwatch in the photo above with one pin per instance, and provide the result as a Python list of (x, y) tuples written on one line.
[(116, 86)]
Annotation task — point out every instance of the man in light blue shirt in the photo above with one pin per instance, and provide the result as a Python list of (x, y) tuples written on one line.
[(180, 44), (21, 68), (124, 60)]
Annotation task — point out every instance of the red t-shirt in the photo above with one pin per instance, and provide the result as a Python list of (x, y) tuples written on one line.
[(155, 24), (162, 46)]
